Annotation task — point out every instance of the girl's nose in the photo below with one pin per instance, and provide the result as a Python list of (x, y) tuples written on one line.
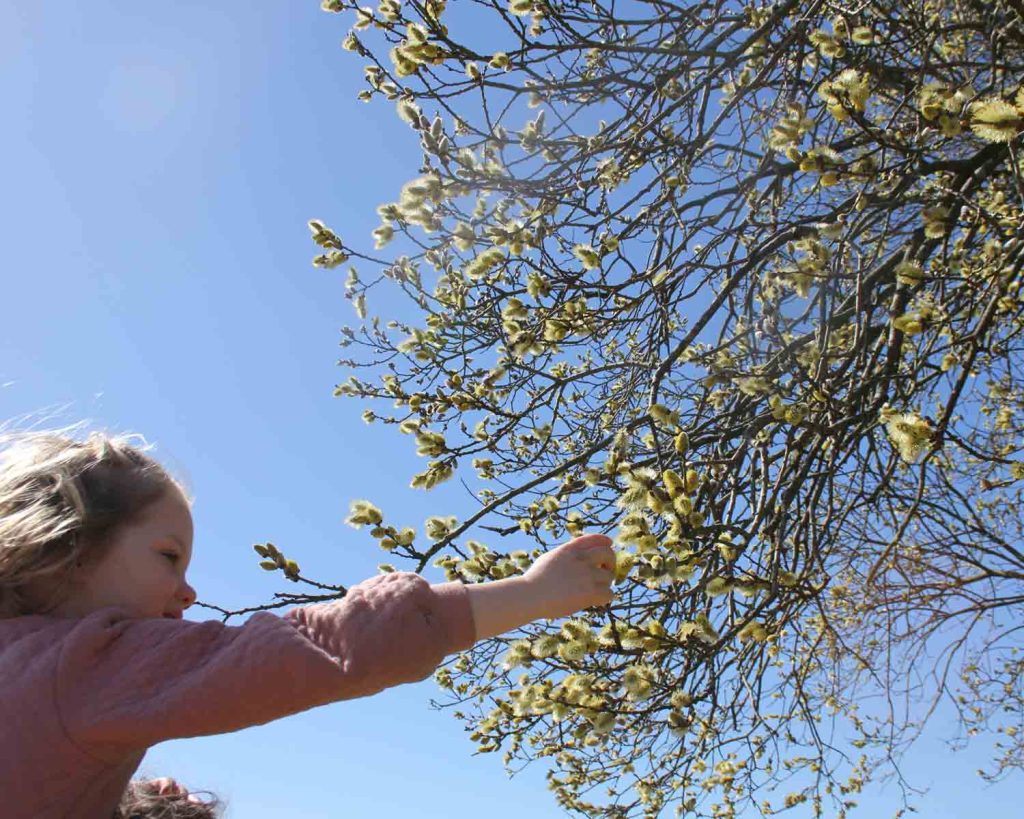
[(188, 595)]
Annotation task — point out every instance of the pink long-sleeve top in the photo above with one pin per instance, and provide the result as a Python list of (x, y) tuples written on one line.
[(82, 699)]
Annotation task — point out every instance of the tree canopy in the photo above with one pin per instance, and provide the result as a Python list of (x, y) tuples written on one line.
[(738, 285)]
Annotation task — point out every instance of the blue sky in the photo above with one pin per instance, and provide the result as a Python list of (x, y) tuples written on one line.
[(160, 164)]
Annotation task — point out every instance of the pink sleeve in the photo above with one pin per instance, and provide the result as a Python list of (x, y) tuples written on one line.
[(126, 684)]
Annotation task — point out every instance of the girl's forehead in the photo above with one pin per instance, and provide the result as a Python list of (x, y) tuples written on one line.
[(172, 512)]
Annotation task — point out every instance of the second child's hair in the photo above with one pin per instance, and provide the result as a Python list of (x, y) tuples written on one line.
[(142, 801), (61, 502)]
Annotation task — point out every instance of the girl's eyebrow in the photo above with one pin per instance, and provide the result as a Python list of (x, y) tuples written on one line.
[(179, 541)]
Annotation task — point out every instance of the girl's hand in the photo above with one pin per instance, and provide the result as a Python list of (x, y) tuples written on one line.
[(576, 575)]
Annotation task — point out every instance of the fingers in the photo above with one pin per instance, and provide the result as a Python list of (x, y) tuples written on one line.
[(603, 593), (597, 548), (590, 541), (603, 578), (603, 556), (586, 567)]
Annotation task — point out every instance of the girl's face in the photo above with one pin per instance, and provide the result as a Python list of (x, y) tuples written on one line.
[(144, 569)]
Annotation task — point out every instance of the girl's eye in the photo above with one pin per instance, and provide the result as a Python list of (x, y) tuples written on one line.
[(172, 555)]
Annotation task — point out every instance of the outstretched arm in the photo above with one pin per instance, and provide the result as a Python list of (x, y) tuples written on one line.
[(575, 576)]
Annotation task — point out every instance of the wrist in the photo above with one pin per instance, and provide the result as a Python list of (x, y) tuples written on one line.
[(500, 606)]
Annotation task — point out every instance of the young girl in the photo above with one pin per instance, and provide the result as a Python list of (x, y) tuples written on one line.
[(97, 664)]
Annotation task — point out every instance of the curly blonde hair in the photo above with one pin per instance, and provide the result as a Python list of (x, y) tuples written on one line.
[(61, 500), (142, 800)]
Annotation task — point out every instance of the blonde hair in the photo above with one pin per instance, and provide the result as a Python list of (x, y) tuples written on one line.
[(141, 800), (61, 500)]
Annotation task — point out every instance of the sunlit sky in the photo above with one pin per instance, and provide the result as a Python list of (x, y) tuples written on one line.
[(160, 164)]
